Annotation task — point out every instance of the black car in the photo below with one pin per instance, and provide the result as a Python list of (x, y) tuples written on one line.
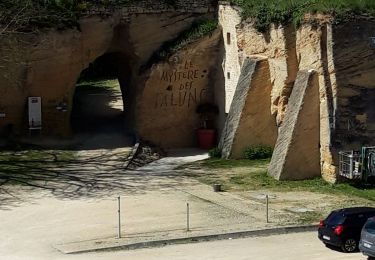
[(342, 228)]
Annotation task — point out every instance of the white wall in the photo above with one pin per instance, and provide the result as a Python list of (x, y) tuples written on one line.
[(229, 18)]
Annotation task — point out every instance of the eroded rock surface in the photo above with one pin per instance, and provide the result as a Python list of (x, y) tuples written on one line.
[(342, 56), (48, 64), (296, 155), (250, 121), (166, 107)]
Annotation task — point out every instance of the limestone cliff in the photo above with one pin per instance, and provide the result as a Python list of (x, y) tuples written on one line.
[(48, 64), (343, 57), (166, 107)]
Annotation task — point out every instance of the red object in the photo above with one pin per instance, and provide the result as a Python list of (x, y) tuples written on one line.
[(206, 138), (321, 224), (339, 229)]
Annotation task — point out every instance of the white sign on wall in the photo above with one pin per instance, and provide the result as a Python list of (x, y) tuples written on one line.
[(372, 40), (35, 113)]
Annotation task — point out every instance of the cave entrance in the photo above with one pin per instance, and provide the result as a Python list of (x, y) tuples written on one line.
[(100, 115)]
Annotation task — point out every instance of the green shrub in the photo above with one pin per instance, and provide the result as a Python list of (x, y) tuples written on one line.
[(214, 153), (258, 152), (266, 12)]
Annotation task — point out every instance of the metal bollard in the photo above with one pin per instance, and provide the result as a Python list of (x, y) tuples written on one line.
[(187, 217), (119, 217), (267, 219)]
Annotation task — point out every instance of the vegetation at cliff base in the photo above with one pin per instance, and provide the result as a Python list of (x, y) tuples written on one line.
[(256, 152), (251, 175), (266, 12)]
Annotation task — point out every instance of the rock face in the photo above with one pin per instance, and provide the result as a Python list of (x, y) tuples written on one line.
[(160, 100), (48, 65), (355, 77), (345, 74), (166, 108), (279, 47), (315, 51), (296, 155), (249, 121), (229, 18)]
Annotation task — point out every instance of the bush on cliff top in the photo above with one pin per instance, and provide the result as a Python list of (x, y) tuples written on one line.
[(266, 12)]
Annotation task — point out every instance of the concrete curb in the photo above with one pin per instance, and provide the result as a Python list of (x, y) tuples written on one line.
[(204, 238)]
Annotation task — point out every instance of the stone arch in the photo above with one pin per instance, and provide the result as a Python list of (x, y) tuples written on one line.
[(102, 99)]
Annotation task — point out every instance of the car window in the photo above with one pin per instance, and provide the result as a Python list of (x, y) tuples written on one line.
[(361, 219), (370, 226), (335, 219), (353, 220)]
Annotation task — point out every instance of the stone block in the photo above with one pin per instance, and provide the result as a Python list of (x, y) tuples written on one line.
[(250, 121), (296, 155)]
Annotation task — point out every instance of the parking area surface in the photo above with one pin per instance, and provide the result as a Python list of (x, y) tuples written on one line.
[(153, 203), (40, 224), (301, 246)]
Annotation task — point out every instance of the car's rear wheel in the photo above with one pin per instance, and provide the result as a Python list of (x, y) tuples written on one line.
[(349, 245)]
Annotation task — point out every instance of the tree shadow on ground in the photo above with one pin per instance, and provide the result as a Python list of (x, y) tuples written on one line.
[(70, 178)]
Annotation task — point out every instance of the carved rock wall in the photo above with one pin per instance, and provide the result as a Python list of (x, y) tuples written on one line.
[(279, 46), (296, 155), (343, 58), (166, 108), (354, 58), (250, 121), (229, 18), (49, 63)]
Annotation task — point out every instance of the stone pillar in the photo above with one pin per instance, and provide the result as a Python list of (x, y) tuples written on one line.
[(296, 155), (249, 121), (229, 18)]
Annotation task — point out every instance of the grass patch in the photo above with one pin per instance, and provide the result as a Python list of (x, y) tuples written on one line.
[(286, 11), (107, 84), (36, 156), (247, 175), (225, 164), (309, 217)]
